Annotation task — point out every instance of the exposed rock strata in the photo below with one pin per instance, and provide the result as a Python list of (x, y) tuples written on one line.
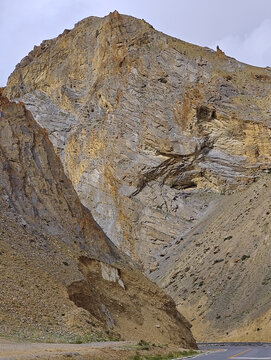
[(61, 277), (152, 131), (148, 126)]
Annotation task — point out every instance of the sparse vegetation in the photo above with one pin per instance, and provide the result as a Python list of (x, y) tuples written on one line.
[(244, 257), (169, 356), (144, 345)]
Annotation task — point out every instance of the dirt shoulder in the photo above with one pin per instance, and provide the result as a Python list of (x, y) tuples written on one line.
[(121, 350)]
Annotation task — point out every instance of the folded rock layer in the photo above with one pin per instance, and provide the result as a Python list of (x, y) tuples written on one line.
[(149, 127), (153, 132), (61, 277)]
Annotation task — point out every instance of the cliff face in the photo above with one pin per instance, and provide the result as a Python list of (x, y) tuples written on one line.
[(151, 130), (61, 277), (145, 123)]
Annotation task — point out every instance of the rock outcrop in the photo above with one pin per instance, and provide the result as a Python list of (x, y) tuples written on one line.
[(153, 132), (149, 127), (61, 277)]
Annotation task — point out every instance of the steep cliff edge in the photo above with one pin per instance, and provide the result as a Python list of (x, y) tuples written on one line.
[(61, 277), (149, 127), (153, 132)]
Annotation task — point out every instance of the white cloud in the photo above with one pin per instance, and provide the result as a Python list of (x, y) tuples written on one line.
[(233, 23), (253, 48)]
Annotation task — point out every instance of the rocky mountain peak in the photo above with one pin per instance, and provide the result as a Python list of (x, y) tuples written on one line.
[(152, 131), (149, 128)]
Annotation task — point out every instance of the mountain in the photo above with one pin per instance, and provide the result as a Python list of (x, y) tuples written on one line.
[(61, 277), (219, 273), (154, 133)]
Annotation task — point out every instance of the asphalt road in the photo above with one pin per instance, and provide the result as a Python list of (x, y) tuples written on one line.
[(250, 351)]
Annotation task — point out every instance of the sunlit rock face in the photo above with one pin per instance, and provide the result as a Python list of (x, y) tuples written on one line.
[(61, 277), (150, 129)]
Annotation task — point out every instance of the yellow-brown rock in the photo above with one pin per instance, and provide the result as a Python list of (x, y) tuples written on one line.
[(62, 279), (145, 124), (151, 130)]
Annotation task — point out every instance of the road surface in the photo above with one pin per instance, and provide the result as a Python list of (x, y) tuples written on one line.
[(256, 351)]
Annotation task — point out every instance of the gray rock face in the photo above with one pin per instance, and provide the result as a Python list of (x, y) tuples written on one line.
[(150, 128), (60, 124), (61, 277)]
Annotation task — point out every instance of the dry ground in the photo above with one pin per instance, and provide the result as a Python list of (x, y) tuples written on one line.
[(121, 350)]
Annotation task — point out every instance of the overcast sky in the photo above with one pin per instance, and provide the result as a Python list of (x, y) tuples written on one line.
[(242, 28)]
